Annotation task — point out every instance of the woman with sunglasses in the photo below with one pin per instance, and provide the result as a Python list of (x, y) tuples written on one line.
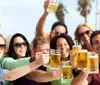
[(64, 43), (19, 55), (18, 72), (82, 35)]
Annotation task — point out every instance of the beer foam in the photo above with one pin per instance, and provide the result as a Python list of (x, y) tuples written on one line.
[(77, 46), (82, 51)]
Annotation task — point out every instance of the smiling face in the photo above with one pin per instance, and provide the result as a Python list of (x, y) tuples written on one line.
[(19, 47), (2, 46), (63, 45), (96, 44), (84, 34)]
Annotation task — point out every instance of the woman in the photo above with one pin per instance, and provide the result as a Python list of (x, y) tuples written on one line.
[(64, 43), (82, 35), (18, 49), (18, 72)]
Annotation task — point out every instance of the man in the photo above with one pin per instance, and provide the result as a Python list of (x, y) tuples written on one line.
[(57, 27), (83, 77), (41, 44)]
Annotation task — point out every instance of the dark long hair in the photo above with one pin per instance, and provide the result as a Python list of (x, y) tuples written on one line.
[(66, 37), (11, 52)]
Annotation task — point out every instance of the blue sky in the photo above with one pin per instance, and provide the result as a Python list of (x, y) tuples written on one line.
[(22, 16)]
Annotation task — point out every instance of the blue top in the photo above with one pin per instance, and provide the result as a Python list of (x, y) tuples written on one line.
[(1, 75)]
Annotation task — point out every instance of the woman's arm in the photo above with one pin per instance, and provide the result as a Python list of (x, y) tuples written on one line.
[(19, 72), (43, 76)]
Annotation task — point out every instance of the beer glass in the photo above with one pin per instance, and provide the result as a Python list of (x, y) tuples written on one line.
[(75, 48), (82, 59), (93, 63), (52, 6), (66, 69), (55, 57)]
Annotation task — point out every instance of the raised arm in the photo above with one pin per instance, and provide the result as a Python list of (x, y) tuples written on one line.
[(41, 22)]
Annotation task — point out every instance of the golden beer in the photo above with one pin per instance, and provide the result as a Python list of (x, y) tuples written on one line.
[(82, 59), (74, 51), (67, 72), (55, 59), (52, 7), (93, 64)]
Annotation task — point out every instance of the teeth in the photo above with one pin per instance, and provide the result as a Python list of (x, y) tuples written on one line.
[(63, 51)]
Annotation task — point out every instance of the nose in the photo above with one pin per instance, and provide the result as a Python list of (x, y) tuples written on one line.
[(22, 46), (62, 46)]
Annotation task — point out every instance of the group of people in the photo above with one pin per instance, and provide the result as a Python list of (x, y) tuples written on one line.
[(23, 64)]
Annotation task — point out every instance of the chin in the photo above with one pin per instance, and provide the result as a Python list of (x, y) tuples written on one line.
[(22, 56), (65, 56)]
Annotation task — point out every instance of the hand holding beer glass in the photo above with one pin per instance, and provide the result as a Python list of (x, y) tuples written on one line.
[(52, 6), (66, 69), (93, 63)]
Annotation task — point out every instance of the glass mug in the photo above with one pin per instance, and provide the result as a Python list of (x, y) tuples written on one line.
[(75, 48), (82, 59), (55, 58), (66, 69), (52, 6), (93, 63)]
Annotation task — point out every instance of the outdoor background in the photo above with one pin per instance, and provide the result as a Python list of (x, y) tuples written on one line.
[(22, 16)]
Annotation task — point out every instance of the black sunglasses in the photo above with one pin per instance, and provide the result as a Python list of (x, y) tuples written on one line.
[(2, 46), (19, 44), (86, 32), (57, 32)]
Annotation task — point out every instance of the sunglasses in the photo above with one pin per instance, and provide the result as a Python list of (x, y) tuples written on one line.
[(2, 46), (56, 32), (86, 32), (20, 44)]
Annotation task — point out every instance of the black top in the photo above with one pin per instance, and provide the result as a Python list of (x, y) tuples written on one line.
[(24, 81)]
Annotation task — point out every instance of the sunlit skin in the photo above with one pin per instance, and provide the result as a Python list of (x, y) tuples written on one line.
[(62, 45), (20, 51), (96, 44), (60, 28), (86, 38), (2, 50), (43, 48)]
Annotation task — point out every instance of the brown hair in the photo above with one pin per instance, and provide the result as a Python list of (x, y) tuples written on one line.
[(39, 40)]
